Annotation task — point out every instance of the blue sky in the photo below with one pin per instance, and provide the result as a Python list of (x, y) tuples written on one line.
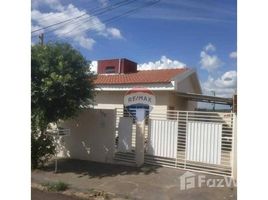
[(169, 34)]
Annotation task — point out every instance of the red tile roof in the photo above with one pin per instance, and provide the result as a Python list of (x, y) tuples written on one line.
[(145, 76)]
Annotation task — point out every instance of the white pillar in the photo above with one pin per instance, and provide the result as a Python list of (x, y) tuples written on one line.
[(234, 148), (139, 150)]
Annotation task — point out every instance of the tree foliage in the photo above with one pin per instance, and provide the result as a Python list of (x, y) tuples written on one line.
[(61, 83)]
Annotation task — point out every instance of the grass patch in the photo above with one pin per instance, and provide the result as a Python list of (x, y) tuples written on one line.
[(56, 186)]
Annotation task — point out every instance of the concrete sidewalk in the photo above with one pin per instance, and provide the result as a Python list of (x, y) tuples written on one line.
[(148, 182)]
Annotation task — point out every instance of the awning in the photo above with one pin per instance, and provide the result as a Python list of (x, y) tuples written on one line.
[(206, 98)]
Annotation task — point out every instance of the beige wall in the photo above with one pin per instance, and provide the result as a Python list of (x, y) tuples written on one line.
[(188, 85), (179, 103), (191, 105), (92, 136), (109, 100), (164, 101), (112, 100)]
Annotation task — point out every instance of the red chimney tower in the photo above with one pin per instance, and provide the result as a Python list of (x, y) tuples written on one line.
[(116, 66)]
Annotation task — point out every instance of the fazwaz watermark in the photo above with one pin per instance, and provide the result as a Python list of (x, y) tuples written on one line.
[(190, 180)]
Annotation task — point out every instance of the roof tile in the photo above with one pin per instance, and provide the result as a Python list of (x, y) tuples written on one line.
[(144, 76)]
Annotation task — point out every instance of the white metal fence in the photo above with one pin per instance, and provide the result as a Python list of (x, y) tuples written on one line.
[(190, 140), (204, 141), (162, 144)]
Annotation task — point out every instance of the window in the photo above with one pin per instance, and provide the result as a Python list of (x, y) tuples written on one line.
[(110, 69)]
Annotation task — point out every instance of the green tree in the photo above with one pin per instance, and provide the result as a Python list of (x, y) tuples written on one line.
[(61, 84)]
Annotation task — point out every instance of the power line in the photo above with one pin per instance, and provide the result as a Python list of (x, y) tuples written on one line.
[(97, 14), (42, 18), (129, 12), (103, 10), (59, 26), (109, 20)]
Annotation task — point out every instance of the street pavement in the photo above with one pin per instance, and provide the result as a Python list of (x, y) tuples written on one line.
[(148, 182), (42, 195)]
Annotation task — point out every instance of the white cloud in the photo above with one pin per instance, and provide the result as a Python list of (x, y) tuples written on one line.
[(114, 32), (53, 4), (104, 2), (233, 55), (210, 47), (224, 85), (209, 61), (85, 42), (94, 66), (163, 63), (75, 30)]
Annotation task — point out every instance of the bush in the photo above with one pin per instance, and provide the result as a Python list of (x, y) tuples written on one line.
[(42, 149), (56, 186), (42, 146)]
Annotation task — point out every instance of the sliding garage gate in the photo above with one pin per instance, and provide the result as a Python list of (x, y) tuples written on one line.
[(191, 140)]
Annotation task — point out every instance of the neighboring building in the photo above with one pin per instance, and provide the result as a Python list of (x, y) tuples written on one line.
[(117, 76)]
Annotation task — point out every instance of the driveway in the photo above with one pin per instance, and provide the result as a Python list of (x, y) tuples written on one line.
[(148, 182)]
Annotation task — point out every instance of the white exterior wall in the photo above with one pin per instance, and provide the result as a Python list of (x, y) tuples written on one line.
[(109, 99), (92, 136), (176, 102), (161, 104), (188, 85), (164, 100), (115, 99)]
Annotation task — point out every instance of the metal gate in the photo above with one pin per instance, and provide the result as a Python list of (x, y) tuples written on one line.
[(191, 140), (125, 138)]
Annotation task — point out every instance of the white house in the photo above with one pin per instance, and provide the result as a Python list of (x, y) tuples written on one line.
[(117, 76), (204, 142)]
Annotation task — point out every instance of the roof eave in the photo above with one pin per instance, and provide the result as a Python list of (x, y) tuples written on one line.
[(169, 86)]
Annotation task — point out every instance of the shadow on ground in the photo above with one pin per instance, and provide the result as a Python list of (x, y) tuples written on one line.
[(146, 182), (97, 170)]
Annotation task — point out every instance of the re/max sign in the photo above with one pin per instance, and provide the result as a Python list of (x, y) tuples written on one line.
[(134, 99)]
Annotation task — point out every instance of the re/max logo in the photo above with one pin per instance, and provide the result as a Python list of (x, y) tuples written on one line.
[(139, 99)]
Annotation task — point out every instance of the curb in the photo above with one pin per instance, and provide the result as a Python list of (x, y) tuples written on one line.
[(94, 195)]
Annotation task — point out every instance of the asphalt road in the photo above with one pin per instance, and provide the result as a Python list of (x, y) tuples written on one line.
[(40, 195)]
